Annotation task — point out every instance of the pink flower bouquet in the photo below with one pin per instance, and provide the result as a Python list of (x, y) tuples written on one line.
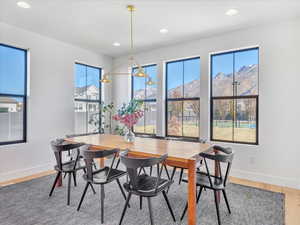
[(129, 114)]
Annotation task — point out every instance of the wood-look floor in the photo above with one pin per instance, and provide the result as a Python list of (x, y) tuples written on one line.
[(292, 196)]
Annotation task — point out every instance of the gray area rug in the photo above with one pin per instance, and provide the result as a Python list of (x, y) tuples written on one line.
[(28, 204)]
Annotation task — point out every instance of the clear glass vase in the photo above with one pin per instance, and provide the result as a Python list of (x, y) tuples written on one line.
[(129, 135)]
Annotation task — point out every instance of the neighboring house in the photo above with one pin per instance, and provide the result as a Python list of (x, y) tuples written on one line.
[(90, 92), (8, 104)]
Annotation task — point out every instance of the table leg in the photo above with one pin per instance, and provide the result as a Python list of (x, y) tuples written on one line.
[(59, 181), (192, 193), (217, 173), (101, 162)]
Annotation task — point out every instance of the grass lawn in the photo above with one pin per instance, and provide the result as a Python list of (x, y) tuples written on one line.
[(243, 132), (240, 134), (150, 129), (246, 132), (189, 130)]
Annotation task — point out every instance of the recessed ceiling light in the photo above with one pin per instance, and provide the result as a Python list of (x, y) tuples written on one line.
[(116, 44), (24, 5), (232, 12), (163, 31)]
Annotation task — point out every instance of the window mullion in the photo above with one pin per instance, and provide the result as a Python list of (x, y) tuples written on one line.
[(234, 94), (99, 104)]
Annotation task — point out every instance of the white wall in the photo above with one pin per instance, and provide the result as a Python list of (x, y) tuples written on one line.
[(50, 103), (276, 159)]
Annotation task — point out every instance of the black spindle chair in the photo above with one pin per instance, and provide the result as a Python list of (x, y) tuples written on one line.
[(69, 167), (144, 185), (214, 181), (101, 176), (80, 152)]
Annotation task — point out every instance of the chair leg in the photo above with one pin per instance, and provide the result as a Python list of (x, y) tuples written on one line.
[(74, 178), (226, 200), (217, 207), (150, 211), (69, 188), (186, 205), (95, 167), (199, 194), (102, 202), (184, 211), (83, 195), (118, 163), (84, 170), (122, 191), (173, 173), (172, 177), (55, 181), (151, 170), (65, 175), (125, 208), (141, 202), (181, 174), (167, 172), (93, 188), (169, 206)]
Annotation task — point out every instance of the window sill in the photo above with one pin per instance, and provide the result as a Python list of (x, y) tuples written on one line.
[(235, 143), (12, 143), (146, 135), (186, 139)]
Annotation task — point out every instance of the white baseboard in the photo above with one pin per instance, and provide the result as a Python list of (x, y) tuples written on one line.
[(269, 179), (25, 172)]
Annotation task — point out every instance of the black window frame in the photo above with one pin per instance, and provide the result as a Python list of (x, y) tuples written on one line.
[(23, 96), (143, 100), (99, 101), (234, 98), (183, 138)]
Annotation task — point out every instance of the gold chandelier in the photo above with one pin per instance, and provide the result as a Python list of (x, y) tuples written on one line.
[(131, 60)]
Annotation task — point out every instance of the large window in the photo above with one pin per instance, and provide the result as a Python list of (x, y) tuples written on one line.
[(183, 98), (234, 96), (146, 93), (87, 94), (13, 78)]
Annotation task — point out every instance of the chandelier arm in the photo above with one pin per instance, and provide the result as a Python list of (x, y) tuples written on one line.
[(118, 73)]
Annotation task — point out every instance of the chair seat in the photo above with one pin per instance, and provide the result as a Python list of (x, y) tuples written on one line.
[(202, 179), (146, 185), (69, 166), (100, 176)]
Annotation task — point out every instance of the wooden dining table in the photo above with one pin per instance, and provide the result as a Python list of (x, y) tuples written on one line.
[(180, 154)]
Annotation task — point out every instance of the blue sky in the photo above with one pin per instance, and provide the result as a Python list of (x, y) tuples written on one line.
[(180, 72), (12, 70), (224, 63), (175, 70), (185, 71), (85, 75), (12, 76)]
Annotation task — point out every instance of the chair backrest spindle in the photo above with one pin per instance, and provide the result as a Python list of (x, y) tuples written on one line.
[(59, 146), (89, 156), (219, 156), (133, 164)]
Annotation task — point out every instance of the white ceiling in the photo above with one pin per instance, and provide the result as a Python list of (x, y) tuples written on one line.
[(96, 24)]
